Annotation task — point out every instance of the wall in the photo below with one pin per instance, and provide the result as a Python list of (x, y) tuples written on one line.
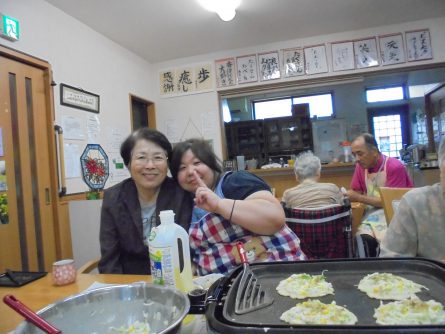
[(191, 107), (80, 57), (83, 58)]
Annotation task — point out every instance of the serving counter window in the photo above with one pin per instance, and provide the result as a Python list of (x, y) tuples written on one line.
[(349, 106)]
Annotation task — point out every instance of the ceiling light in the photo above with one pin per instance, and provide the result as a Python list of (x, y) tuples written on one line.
[(224, 8)]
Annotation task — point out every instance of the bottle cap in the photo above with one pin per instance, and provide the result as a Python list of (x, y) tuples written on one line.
[(167, 216)]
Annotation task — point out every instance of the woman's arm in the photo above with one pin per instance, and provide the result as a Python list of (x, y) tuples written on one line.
[(260, 212)]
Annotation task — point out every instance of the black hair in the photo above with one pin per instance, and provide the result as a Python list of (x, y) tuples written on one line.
[(370, 142), (148, 134), (201, 149)]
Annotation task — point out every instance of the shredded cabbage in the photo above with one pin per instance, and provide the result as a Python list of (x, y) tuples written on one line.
[(136, 328)]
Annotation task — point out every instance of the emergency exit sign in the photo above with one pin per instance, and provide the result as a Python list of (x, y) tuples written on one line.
[(10, 28)]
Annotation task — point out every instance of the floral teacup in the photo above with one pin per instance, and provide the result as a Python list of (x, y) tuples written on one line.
[(64, 272)]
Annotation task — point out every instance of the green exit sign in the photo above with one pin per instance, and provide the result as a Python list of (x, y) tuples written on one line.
[(10, 28)]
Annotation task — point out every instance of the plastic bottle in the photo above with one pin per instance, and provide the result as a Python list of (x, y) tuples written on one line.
[(170, 254)]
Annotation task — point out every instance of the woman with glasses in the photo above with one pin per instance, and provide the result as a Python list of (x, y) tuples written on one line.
[(131, 208), (230, 208)]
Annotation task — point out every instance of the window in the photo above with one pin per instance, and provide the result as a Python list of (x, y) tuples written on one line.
[(320, 105), (390, 127), (384, 94), (388, 133), (272, 108)]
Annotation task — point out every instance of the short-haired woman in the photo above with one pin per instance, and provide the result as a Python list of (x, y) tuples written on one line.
[(310, 193), (230, 208), (418, 225), (131, 208)]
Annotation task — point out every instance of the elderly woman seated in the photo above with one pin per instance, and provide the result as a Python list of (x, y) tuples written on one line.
[(418, 225), (310, 193)]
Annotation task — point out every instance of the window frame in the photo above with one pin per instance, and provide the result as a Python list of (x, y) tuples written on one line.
[(398, 109), (404, 90), (291, 97)]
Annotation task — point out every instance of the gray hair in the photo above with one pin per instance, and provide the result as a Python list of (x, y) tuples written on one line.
[(307, 165), (441, 153)]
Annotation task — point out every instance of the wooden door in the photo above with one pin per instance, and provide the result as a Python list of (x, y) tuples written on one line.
[(27, 237)]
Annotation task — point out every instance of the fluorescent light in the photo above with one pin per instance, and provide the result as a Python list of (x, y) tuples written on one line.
[(224, 8)]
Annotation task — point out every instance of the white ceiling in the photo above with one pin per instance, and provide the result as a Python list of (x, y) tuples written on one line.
[(160, 30)]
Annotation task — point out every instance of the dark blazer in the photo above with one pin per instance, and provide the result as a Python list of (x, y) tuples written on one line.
[(121, 239)]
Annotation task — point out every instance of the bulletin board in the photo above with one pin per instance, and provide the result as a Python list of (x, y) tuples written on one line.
[(327, 135), (81, 129)]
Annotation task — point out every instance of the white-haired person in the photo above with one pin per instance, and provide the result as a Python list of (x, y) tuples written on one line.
[(310, 193), (418, 225)]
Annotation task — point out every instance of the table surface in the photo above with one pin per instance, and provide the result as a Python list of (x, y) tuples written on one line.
[(42, 292)]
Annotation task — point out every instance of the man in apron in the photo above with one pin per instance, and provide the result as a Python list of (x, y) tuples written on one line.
[(372, 171)]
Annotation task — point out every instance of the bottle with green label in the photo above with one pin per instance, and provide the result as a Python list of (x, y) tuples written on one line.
[(169, 249)]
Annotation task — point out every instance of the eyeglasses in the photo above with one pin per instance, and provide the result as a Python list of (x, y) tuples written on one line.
[(142, 160)]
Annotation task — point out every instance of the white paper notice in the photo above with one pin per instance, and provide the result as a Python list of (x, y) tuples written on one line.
[(115, 138), (118, 171), (208, 124), (172, 130), (72, 128), (72, 160), (93, 129), (1, 142)]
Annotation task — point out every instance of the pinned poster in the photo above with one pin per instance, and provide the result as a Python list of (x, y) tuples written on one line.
[(1, 142), (3, 184)]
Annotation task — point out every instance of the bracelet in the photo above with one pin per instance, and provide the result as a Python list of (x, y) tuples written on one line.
[(231, 212)]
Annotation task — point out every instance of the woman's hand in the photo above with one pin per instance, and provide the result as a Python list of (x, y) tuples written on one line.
[(205, 198)]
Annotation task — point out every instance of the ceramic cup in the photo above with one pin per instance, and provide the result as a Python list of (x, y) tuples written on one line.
[(64, 272)]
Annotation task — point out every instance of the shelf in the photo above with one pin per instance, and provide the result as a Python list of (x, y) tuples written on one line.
[(274, 136)]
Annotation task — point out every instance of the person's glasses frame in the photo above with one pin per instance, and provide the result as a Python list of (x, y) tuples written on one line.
[(142, 160)]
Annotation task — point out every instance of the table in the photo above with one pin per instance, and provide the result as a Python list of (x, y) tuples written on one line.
[(42, 292)]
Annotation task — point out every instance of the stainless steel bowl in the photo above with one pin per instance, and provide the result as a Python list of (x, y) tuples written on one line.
[(101, 310)]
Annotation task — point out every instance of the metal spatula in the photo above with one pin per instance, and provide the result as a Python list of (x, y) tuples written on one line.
[(250, 296)]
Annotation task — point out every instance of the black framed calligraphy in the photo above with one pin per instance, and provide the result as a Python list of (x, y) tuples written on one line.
[(342, 56), (269, 66), (78, 98), (246, 69), (392, 50), (366, 54), (418, 45), (293, 62), (315, 59), (225, 72)]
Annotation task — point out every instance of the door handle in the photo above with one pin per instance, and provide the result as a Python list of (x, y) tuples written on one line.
[(60, 159), (47, 196)]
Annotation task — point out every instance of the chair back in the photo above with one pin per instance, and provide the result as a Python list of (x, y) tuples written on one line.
[(325, 233), (390, 198), (89, 267)]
